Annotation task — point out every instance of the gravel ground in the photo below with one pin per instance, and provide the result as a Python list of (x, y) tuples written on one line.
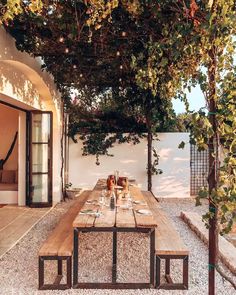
[(19, 267)]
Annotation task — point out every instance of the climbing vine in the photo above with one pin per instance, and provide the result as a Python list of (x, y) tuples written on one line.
[(163, 47)]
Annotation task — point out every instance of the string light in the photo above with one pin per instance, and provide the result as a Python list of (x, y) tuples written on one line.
[(121, 67), (123, 34), (67, 50), (118, 53), (74, 66), (61, 39), (81, 75)]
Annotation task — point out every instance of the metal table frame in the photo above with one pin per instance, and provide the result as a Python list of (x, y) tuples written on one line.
[(56, 285), (113, 284)]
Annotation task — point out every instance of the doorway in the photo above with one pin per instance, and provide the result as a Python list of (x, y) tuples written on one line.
[(9, 155), (33, 164)]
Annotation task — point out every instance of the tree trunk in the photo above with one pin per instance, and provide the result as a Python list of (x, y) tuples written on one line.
[(213, 173), (149, 160), (63, 135)]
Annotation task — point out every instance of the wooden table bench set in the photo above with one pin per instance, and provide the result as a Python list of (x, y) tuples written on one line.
[(62, 244)]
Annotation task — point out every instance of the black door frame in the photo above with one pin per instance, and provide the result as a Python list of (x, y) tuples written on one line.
[(28, 156), (29, 162)]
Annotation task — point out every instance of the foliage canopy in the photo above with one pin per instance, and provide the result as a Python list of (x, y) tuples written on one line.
[(161, 46)]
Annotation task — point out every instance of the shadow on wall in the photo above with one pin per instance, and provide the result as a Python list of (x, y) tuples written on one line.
[(15, 84), (21, 62), (175, 164), (131, 161)]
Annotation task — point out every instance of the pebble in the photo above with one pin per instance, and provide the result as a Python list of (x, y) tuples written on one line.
[(19, 267)]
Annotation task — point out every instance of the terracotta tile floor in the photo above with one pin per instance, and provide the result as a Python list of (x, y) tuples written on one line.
[(15, 222)]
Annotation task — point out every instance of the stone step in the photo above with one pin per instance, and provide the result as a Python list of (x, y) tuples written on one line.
[(227, 251)]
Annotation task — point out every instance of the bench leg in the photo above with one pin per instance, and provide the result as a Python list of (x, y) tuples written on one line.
[(167, 271), (170, 285), (56, 285), (185, 272), (59, 267), (69, 271), (158, 272), (41, 273)]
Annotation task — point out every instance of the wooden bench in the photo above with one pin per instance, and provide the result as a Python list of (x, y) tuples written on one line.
[(59, 247), (168, 246)]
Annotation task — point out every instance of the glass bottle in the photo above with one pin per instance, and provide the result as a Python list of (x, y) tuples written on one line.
[(113, 200)]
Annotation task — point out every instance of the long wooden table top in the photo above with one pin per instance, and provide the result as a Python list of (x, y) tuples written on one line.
[(119, 217)]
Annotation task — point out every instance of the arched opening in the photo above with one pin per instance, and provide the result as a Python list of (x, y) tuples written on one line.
[(24, 90)]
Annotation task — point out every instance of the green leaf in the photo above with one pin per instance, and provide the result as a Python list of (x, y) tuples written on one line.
[(181, 145)]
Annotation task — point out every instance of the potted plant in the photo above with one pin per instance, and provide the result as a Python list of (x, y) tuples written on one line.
[(70, 191)]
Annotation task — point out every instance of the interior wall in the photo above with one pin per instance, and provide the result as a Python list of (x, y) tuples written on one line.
[(131, 161), (8, 128)]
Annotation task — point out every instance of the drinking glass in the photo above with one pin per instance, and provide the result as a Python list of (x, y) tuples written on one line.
[(102, 200), (116, 176), (129, 200)]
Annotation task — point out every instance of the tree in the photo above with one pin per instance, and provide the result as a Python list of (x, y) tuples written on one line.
[(132, 111), (212, 31), (11, 8), (114, 63), (184, 43)]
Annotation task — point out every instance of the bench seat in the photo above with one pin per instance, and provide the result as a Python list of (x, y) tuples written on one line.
[(168, 245), (59, 246)]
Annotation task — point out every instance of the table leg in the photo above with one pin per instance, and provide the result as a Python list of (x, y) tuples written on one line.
[(152, 257), (75, 258), (114, 257)]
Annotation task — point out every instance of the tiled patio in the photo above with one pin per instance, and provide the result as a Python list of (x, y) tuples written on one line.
[(15, 222)]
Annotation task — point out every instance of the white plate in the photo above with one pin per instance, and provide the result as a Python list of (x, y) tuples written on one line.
[(144, 211), (96, 214)]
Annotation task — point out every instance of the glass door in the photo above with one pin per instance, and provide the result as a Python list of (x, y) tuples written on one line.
[(40, 159)]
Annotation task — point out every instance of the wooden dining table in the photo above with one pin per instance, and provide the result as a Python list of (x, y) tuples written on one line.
[(121, 219)]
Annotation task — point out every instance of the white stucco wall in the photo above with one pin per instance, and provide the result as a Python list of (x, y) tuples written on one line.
[(131, 161), (24, 84)]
